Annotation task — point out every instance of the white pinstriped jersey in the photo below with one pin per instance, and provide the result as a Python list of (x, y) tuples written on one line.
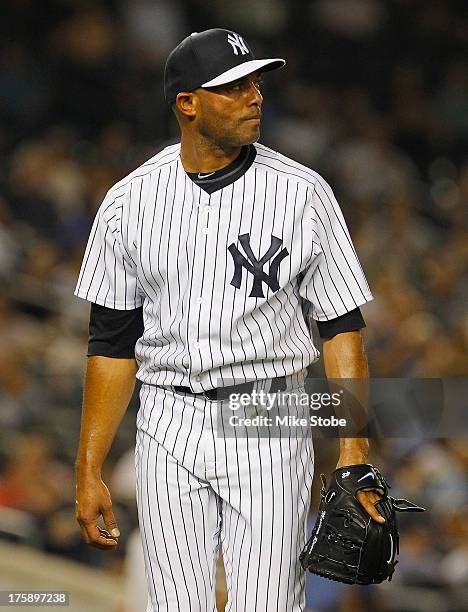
[(227, 280)]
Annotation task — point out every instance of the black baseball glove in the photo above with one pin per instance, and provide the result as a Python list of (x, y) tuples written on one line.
[(347, 545)]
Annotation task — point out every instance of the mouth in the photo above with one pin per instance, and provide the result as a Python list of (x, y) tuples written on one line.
[(255, 118)]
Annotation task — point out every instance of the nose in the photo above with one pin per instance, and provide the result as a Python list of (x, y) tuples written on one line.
[(255, 97)]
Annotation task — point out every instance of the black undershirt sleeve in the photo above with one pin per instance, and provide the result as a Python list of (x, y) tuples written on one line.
[(114, 333), (350, 321)]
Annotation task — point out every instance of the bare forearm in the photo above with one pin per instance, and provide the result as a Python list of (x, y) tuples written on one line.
[(108, 388), (345, 358)]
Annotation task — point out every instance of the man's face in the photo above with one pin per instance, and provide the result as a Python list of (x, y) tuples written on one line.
[(230, 114)]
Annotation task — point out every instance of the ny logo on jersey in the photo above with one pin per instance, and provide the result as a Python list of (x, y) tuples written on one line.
[(255, 266), (237, 43)]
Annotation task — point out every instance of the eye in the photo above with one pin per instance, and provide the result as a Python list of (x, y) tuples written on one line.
[(258, 83)]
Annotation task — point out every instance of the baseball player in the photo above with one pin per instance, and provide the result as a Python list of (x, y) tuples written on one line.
[(203, 267)]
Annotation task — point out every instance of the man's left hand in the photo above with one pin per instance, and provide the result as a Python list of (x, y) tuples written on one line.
[(366, 498)]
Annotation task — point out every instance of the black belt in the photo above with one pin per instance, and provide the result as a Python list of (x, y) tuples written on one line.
[(222, 393)]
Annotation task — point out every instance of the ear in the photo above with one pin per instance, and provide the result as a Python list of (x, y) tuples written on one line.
[(187, 104)]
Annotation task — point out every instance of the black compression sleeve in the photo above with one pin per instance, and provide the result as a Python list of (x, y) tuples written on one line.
[(114, 333), (350, 321)]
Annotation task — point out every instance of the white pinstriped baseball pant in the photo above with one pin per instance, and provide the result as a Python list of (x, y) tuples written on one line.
[(198, 492)]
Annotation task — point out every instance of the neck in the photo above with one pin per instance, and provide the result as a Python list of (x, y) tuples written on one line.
[(200, 154)]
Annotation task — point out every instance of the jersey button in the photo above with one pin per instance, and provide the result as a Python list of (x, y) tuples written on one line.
[(199, 300), (196, 345), (198, 378), (205, 230)]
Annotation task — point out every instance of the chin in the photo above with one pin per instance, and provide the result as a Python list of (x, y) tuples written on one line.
[(253, 137), (241, 138)]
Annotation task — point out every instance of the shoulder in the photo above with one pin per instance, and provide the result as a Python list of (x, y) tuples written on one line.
[(169, 155), (319, 192), (280, 164), (117, 201)]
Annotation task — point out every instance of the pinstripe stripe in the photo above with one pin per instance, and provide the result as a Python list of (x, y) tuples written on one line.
[(153, 558), (183, 520)]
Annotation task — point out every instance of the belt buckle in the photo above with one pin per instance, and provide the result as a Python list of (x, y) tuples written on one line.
[(221, 393), (278, 384), (207, 397)]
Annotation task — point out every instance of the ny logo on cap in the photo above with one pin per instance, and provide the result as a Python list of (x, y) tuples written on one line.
[(255, 266), (237, 43)]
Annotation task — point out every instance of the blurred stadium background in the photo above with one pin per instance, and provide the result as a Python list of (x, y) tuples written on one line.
[(375, 98)]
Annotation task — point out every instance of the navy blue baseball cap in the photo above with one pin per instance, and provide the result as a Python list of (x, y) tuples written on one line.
[(210, 58)]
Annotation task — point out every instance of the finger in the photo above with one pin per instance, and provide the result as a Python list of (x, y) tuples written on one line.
[(369, 507), (99, 538), (372, 496), (111, 523), (104, 540)]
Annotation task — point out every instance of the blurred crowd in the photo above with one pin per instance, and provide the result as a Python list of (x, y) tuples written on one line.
[(374, 97)]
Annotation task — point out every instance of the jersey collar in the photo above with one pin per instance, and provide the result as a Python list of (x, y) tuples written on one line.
[(213, 181)]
